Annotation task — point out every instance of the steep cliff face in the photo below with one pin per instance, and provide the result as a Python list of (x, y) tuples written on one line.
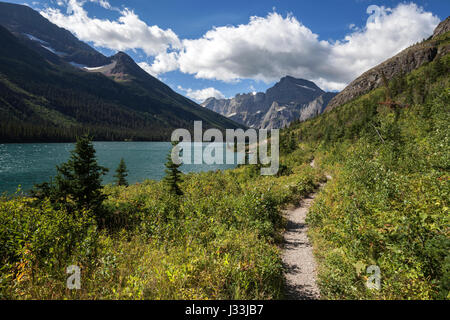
[(442, 28), (279, 116), (243, 108), (288, 100), (404, 62)]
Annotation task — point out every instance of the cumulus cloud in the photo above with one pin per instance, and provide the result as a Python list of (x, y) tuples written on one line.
[(202, 94), (266, 48), (387, 32), (163, 62), (105, 4), (148, 68), (128, 32), (263, 49), (269, 48)]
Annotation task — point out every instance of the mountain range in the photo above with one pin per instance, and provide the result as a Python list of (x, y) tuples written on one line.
[(54, 87), (288, 100), (297, 99)]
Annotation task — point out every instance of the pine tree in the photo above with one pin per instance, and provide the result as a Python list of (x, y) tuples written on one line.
[(293, 142), (121, 174), (78, 184), (173, 175), (80, 177)]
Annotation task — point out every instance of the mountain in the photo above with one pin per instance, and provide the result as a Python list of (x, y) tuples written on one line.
[(27, 23), (45, 98), (442, 28), (288, 100), (403, 63)]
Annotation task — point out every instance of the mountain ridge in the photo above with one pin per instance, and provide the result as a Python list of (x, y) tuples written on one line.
[(25, 22), (288, 100), (45, 98)]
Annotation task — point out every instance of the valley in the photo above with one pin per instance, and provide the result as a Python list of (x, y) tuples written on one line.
[(358, 209)]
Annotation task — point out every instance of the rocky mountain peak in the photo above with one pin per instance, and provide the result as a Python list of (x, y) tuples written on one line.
[(122, 57), (125, 67), (209, 100), (289, 80), (290, 89), (289, 99), (442, 28)]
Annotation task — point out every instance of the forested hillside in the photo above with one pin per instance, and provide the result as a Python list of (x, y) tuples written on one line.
[(50, 100), (387, 204)]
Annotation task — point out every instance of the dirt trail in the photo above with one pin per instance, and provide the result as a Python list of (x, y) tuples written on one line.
[(298, 256)]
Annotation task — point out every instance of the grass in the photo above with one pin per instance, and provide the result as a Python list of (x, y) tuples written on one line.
[(387, 204), (218, 241)]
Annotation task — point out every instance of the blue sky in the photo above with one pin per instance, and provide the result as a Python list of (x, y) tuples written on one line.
[(328, 41)]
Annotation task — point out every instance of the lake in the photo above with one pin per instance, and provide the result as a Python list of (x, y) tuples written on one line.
[(26, 164)]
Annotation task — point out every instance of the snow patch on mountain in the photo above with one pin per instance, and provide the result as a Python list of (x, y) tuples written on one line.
[(306, 87), (31, 37), (61, 54), (77, 65), (102, 68)]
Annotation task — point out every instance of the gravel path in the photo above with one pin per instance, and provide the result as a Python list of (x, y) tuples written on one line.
[(298, 259)]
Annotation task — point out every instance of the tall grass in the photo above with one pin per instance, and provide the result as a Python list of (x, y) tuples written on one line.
[(220, 240)]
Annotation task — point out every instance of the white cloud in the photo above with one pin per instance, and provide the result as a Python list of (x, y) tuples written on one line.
[(164, 62), (266, 48), (128, 32), (148, 68), (202, 94), (271, 47), (105, 4), (353, 27), (385, 34), (263, 49)]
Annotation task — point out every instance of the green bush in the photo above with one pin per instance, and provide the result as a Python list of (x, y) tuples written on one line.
[(387, 204)]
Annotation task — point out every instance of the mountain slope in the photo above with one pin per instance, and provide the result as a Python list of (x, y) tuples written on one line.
[(124, 70), (288, 100), (27, 23), (46, 101), (403, 63), (387, 204)]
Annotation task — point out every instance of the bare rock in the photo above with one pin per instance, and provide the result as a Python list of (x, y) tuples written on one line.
[(442, 28)]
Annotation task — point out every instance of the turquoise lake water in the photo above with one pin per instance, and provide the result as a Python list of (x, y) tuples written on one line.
[(27, 164)]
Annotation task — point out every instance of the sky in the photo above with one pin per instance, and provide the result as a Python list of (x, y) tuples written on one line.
[(222, 48)]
